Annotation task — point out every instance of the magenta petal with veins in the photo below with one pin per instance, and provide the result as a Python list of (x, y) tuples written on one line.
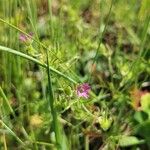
[(83, 90)]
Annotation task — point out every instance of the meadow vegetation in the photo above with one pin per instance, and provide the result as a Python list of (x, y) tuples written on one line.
[(74, 74)]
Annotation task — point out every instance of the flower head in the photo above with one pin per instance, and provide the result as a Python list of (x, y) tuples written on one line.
[(83, 90), (25, 38), (105, 122), (36, 120)]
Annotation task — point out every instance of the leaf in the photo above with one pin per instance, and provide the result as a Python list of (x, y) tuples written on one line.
[(126, 141), (140, 116), (144, 129), (145, 102)]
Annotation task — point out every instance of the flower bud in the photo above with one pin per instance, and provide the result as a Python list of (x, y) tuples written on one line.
[(105, 122)]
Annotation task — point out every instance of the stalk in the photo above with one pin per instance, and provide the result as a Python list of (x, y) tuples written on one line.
[(6, 101), (101, 36), (53, 112), (11, 132), (17, 53)]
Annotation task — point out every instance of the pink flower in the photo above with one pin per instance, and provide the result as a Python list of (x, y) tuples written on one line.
[(83, 90), (25, 38)]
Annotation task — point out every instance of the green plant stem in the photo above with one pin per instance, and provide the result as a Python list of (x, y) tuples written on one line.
[(101, 35), (4, 140), (6, 100), (86, 142), (12, 133), (144, 35), (53, 109), (43, 143), (6, 49)]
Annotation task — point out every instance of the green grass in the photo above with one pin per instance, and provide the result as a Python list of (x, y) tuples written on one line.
[(103, 43)]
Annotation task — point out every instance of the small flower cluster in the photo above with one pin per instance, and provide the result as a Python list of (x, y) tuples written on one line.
[(83, 90)]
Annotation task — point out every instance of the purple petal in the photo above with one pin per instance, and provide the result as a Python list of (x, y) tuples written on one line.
[(83, 90), (22, 38)]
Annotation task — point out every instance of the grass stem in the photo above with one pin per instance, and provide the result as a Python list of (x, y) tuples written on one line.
[(6, 49)]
